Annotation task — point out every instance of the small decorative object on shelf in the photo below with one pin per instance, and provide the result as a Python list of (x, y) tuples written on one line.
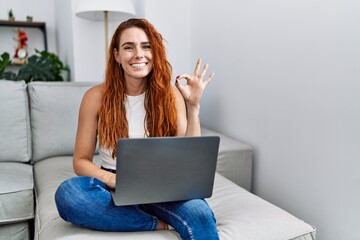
[(11, 15), (29, 18), (25, 25), (21, 49)]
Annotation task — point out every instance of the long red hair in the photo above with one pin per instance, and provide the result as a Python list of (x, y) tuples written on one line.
[(160, 118)]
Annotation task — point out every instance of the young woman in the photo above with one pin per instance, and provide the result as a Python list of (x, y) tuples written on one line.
[(136, 100)]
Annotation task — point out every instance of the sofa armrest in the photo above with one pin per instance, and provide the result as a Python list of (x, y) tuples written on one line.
[(235, 159)]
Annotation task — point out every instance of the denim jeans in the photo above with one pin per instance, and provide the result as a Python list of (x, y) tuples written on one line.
[(86, 202)]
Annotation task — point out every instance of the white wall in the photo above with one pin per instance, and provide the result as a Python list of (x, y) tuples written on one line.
[(288, 82), (64, 34), (81, 42), (89, 48), (173, 21), (21, 9), (89, 39)]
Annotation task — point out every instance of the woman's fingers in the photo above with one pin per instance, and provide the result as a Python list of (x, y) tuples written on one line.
[(187, 77), (178, 84), (193, 89), (209, 78), (197, 67), (201, 76), (198, 76)]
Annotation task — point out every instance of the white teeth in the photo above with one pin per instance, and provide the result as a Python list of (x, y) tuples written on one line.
[(138, 64)]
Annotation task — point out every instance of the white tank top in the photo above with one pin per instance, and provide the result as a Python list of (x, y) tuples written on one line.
[(135, 115)]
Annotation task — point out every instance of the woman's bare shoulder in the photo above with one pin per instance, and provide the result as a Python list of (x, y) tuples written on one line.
[(93, 96), (177, 93), (95, 93)]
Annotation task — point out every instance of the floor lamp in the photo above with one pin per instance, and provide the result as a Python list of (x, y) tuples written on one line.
[(105, 10)]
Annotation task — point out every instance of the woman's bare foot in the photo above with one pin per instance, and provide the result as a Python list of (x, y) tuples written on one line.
[(162, 225)]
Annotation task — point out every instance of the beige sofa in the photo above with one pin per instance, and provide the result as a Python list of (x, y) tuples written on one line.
[(37, 128)]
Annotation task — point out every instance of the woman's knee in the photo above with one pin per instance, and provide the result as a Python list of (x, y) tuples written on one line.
[(201, 220), (199, 210), (69, 188), (192, 219), (72, 195)]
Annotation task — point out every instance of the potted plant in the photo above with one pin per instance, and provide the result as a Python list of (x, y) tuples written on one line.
[(11, 15), (41, 66), (4, 62), (29, 18)]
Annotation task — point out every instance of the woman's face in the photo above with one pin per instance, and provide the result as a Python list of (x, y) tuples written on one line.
[(135, 54)]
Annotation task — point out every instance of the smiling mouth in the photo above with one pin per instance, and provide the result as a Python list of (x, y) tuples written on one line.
[(138, 64)]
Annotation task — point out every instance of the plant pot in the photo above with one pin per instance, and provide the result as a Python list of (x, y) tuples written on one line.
[(11, 19)]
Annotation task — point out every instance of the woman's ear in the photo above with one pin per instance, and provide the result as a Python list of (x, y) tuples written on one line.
[(117, 56)]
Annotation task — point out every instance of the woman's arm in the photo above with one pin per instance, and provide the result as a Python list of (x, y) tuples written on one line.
[(86, 135), (191, 92)]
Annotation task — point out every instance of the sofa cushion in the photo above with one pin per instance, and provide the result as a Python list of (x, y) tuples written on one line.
[(16, 231), (235, 160), (54, 107), (239, 214), (243, 215), (16, 192), (14, 122)]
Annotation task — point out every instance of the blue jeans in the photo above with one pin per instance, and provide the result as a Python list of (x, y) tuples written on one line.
[(86, 202)]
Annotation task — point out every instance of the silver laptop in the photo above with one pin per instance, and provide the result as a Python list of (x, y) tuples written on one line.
[(165, 169)]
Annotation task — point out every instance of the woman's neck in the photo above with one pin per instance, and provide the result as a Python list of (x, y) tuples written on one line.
[(135, 87)]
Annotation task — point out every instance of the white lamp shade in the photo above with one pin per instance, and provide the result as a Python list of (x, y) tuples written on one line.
[(94, 9)]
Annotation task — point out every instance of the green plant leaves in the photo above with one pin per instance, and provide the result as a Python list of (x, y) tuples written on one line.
[(37, 69), (58, 66), (8, 76), (4, 61), (42, 66)]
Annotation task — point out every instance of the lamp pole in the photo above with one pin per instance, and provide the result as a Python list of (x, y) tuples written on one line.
[(106, 10)]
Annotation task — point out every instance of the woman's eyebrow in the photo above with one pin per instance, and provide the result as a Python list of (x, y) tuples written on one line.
[(126, 43), (131, 43)]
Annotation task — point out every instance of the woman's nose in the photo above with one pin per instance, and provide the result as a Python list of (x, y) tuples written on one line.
[(139, 53)]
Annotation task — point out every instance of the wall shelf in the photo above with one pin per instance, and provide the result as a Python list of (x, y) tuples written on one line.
[(24, 24)]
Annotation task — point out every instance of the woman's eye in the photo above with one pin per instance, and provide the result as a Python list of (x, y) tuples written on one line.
[(127, 48), (147, 47)]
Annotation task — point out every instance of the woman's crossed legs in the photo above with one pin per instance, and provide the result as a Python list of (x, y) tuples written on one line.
[(86, 202)]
